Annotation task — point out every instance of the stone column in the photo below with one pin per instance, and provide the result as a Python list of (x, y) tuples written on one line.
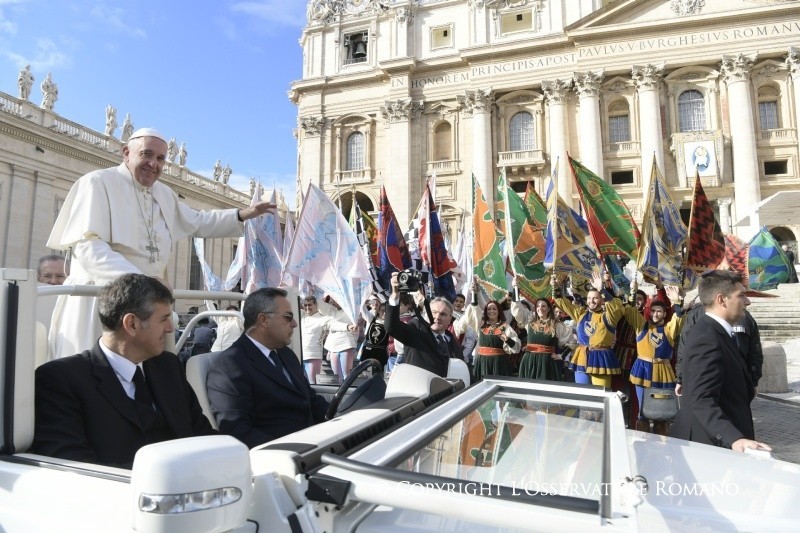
[(311, 140), (793, 63), (556, 92), (725, 214), (747, 190), (403, 17), (648, 87), (398, 114), (587, 85), (479, 103)]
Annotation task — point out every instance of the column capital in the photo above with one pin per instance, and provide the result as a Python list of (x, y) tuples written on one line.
[(555, 91), (736, 67), (312, 125), (724, 202), (793, 61), (401, 109), (647, 77), (588, 83), (477, 101), (403, 15)]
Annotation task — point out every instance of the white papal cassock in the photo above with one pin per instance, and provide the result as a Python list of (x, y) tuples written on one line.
[(108, 221)]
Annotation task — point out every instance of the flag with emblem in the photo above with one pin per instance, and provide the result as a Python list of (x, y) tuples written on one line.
[(610, 222), (705, 248), (487, 259), (393, 253), (525, 242), (433, 253), (262, 257), (366, 232), (566, 230), (767, 263), (663, 236)]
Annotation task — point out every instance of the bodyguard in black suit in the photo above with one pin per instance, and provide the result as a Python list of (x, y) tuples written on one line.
[(104, 404), (717, 388), (257, 388), (422, 348)]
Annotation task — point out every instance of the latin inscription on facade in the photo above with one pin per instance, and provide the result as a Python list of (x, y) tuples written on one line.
[(570, 59)]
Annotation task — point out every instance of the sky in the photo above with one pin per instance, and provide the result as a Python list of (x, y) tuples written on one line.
[(211, 73)]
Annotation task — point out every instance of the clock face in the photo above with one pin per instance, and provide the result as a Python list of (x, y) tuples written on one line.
[(355, 6)]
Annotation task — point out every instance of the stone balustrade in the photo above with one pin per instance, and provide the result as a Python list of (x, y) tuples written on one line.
[(48, 119)]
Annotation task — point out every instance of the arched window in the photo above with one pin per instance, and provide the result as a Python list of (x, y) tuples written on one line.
[(619, 122), (691, 111), (355, 151), (520, 131), (768, 115), (442, 142)]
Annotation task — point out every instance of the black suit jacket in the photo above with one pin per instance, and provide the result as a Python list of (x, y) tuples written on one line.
[(252, 399), (419, 341), (717, 390), (83, 413)]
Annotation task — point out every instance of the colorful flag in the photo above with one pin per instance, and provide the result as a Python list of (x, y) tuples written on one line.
[(736, 252), (526, 242), (663, 236), (487, 260), (566, 230), (615, 267), (610, 222), (705, 248), (326, 253), (462, 255), (392, 251), (433, 253), (365, 229), (767, 263)]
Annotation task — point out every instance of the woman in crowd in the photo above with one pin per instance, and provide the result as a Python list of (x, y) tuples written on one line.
[(546, 337), (496, 339), (341, 345), (316, 327)]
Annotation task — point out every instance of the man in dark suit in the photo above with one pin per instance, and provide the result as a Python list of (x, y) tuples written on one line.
[(104, 404), (427, 346), (257, 388), (717, 387)]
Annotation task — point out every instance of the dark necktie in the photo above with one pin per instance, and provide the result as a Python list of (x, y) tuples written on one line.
[(441, 346), (143, 401), (273, 358)]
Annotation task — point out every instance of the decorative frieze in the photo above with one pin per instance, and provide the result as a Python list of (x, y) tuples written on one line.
[(687, 7)]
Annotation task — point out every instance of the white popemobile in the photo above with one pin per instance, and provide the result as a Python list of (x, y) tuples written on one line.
[(428, 455)]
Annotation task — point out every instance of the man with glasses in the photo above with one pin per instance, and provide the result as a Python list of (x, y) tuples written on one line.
[(256, 387)]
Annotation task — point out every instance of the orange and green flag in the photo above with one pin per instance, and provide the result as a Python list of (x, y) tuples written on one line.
[(610, 222), (526, 254), (487, 259)]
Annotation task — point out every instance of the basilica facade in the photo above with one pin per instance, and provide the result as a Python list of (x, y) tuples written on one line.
[(396, 91)]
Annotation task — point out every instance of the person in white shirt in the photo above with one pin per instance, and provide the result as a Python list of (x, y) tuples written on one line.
[(315, 328)]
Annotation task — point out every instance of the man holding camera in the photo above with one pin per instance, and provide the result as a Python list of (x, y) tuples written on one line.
[(427, 346)]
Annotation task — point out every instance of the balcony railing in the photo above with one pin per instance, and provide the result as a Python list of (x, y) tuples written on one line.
[(521, 158), (447, 166), (620, 148), (779, 136), (363, 175)]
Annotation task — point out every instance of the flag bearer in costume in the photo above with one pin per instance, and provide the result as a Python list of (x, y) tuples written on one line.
[(496, 339), (594, 360), (655, 341), (546, 337)]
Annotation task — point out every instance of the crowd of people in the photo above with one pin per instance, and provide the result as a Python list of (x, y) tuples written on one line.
[(113, 386)]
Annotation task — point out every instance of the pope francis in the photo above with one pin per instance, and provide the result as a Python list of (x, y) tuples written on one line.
[(119, 220)]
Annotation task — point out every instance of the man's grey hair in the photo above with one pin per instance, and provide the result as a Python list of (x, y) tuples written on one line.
[(444, 301), (130, 293), (261, 301), (44, 259)]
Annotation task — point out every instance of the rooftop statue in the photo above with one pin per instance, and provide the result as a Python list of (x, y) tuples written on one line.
[(25, 82), (49, 92)]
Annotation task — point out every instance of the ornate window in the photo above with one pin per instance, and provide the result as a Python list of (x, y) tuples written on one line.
[(619, 122), (691, 111), (769, 118), (520, 132), (443, 142), (354, 159)]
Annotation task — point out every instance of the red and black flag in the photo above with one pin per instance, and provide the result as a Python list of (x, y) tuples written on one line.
[(705, 245)]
